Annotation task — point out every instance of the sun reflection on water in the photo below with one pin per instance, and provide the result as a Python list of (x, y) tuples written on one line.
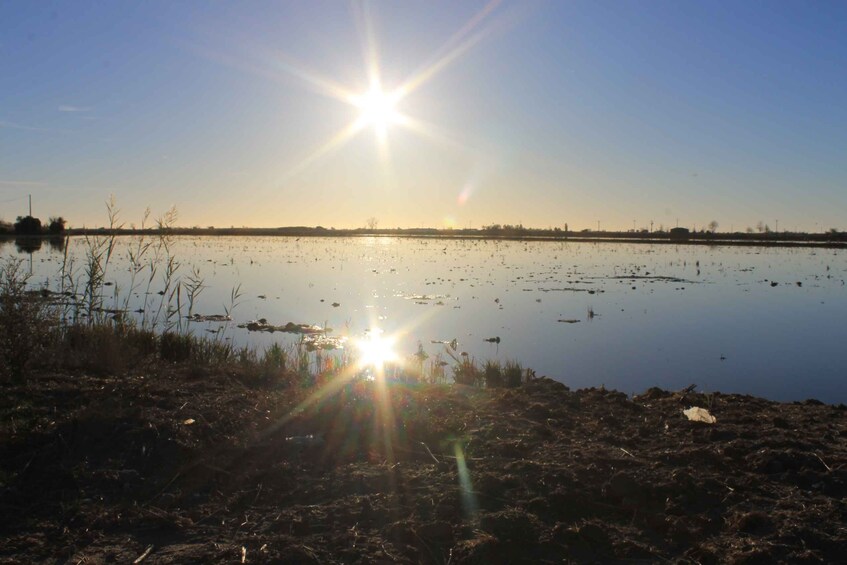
[(375, 350)]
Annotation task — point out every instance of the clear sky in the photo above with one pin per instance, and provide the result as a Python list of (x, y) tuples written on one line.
[(427, 113)]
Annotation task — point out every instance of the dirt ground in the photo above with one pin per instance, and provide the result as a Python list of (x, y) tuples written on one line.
[(166, 467)]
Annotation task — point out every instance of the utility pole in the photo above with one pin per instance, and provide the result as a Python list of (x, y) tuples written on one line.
[(598, 225), (30, 205), (777, 226)]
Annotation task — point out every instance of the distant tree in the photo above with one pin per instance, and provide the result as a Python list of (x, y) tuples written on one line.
[(57, 225), (372, 223), (713, 226), (760, 227), (749, 229), (27, 225)]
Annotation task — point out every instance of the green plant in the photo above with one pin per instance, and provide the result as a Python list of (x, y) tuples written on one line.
[(465, 371), (175, 347), (98, 253), (493, 374), (274, 361), (513, 374)]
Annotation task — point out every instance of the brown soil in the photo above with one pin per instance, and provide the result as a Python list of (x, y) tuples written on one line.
[(171, 468)]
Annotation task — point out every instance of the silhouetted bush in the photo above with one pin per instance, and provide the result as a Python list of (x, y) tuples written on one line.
[(27, 225), (57, 225)]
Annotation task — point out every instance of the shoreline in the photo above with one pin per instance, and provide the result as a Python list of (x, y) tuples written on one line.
[(821, 241)]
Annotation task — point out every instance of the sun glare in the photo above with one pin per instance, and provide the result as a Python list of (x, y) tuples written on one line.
[(378, 109), (375, 350)]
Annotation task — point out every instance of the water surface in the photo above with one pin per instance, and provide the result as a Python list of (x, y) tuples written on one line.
[(663, 315)]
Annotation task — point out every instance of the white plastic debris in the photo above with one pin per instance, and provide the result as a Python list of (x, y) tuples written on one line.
[(697, 414)]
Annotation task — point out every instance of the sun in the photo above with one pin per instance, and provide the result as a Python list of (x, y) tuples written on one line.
[(378, 109)]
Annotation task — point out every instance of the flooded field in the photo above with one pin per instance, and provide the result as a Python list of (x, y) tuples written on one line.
[(765, 321)]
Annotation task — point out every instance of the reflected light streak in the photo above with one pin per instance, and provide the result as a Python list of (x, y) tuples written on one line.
[(431, 132), (465, 485), (321, 84), (335, 142), (421, 78), (368, 40), (277, 66), (330, 388), (442, 61)]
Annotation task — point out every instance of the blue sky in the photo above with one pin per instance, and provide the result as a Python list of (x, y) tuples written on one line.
[(535, 112)]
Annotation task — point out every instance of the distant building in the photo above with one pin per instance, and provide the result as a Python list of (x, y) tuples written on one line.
[(680, 233)]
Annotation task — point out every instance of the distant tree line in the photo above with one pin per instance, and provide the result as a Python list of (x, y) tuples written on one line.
[(29, 225)]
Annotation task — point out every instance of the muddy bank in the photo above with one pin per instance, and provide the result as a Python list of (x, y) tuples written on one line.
[(171, 468)]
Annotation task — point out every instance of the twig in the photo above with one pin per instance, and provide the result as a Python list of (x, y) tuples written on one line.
[(143, 556), (434, 458), (170, 482), (388, 554), (258, 492), (627, 452), (828, 468)]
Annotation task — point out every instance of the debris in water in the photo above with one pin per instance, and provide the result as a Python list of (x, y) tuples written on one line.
[(569, 321), (453, 343), (493, 339), (262, 325), (209, 318)]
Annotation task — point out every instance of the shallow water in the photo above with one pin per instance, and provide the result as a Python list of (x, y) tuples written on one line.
[(664, 315)]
